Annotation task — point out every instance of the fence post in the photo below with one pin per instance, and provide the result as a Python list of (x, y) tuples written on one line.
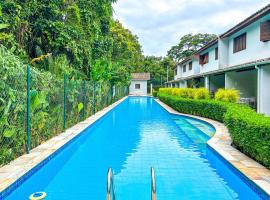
[(94, 97), (84, 98), (65, 102), (28, 120)]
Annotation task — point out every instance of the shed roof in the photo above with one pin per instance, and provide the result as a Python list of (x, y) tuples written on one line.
[(140, 76)]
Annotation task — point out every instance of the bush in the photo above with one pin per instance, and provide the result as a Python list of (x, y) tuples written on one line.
[(249, 130), (201, 93), (227, 95), (155, 92), (191, 93)]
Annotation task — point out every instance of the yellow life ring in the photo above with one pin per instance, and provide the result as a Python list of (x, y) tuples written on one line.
[(38, 196)]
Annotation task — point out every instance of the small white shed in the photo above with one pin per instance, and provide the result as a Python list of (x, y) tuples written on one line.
[(138, 84)]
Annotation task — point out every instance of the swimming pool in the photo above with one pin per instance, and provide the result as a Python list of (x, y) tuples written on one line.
[(131, 138)]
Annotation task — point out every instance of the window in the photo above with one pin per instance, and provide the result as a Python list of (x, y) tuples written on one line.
[(239, 43), (184, 68), (216, 53), (175, 71), (137, 86), (204, 58), (190, 66), (265, 31)]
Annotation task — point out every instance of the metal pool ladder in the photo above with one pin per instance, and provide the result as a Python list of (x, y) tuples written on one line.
[(111, 189), (153, 185), (110, 186)]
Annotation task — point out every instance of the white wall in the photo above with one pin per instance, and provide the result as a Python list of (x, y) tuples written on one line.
[(188, 72), (196, 66), (223, 46), (264, 91), (195, 69), (141, 91), (183, 84), (179, 73), (245, 82), (255, 49), (212, 64)]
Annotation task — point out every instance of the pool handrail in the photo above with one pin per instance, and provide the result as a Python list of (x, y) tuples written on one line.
[(153, 185), (110, 185)]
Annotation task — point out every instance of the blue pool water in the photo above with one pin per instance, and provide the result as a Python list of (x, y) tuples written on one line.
[(134, 136)]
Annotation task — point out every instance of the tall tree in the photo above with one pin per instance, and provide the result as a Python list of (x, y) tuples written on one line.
[(78, 33), (157, 67), (188, 44)]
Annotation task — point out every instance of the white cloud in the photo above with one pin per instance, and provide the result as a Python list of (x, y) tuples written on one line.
[(160, 23)]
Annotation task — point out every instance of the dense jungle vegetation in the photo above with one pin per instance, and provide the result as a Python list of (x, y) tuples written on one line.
[(78, 38)]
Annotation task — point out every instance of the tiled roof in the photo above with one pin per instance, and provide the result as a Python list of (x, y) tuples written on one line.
[(259, 14), (140, 76), (231, 68)]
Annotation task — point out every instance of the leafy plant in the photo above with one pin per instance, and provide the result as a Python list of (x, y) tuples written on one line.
[(227, 95), (191, 93)]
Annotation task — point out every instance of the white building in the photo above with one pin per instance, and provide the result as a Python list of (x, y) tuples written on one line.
[(238, 58), (138, 84)]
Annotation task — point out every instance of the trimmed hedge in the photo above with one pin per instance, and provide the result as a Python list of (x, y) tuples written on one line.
[(249, 130), (190, 93)]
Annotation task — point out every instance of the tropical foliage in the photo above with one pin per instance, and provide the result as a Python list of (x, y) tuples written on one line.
[(228, 95), (188, 45), (190, 93), (80, 33), (46, 104), (157, 67)]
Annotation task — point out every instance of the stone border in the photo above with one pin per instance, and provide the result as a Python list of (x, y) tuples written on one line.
[(16, 169), (221, 144)]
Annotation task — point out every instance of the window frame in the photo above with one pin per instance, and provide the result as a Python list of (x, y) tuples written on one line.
[(240, 43), (184, 68), (190, 66), (137, 84), (216, 53), (204, 59), (265, 31)]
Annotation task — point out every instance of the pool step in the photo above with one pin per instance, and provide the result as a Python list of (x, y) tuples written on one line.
[(111, 189)]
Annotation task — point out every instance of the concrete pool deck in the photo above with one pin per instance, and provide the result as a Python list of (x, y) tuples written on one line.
[(221, 143), (16, 169)]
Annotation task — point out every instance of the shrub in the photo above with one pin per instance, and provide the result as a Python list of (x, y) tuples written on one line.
[(205, 108), (201, 93), (227, 95), (155, 92), (191, 93), (249, 130)]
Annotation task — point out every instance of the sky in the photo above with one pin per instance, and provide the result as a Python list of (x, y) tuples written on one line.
[(161, 23)]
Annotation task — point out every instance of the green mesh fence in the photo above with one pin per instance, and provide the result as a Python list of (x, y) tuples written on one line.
[(12, 110), (54, 106), (46, 106)]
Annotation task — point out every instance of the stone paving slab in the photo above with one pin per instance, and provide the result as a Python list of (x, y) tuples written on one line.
[(10, 173), (221, 143)]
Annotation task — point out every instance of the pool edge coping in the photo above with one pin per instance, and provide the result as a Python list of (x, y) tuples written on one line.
[(21, 166), (221, 144)]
